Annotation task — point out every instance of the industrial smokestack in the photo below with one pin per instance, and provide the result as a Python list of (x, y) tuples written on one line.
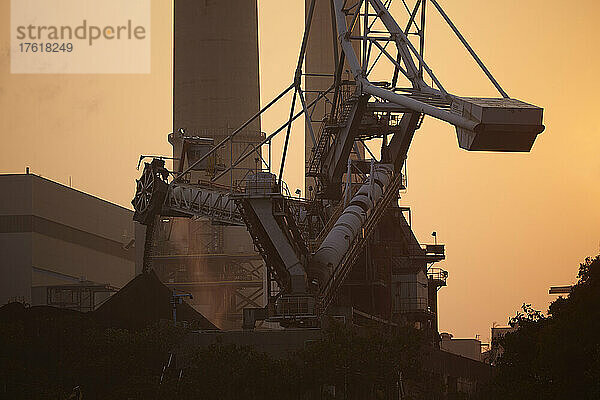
[(216, 76), (215, 90)]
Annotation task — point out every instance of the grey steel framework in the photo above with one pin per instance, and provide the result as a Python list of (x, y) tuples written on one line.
[(380, 91), (80, 296)]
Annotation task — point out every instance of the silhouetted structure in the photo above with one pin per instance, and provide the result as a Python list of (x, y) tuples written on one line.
[(61, 246), (347, 249), (144, 301)]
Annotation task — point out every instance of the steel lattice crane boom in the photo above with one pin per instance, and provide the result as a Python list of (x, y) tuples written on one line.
[(310, 260)]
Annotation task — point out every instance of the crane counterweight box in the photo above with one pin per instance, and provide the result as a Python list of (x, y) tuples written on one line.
[(503, 124)]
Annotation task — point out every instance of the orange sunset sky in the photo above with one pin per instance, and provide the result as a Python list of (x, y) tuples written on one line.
[(513, 224)]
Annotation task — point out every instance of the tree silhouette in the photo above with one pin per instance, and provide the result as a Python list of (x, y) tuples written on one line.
[(555, 356)]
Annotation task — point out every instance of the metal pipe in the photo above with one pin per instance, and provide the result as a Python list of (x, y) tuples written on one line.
[(245, 124), (307, 118), (412, 17), (336, 83), (272, 135), (392, 26), (420, 107), (378, 57), (354, 17), (365, 53), (334, 34), (344, 42), (422, 38), (287, 135), (308, 22), (470, 49), (396, 64)]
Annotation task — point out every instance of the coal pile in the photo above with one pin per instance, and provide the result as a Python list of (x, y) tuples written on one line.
[(145, 300), (17, 312)]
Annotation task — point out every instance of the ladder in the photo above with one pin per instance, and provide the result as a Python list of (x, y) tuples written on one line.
[(317, 152), (327, 130)]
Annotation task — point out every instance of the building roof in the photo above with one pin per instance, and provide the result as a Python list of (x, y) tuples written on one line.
[(62, 186)]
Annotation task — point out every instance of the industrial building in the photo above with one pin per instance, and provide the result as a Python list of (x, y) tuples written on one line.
[(469, 348), (60, 246), (495, 349)]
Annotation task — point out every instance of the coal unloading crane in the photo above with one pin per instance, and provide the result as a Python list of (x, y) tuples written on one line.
[(310, 245)]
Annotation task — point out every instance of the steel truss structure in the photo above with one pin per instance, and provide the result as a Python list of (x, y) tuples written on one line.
[(378, 91), (222, 283)]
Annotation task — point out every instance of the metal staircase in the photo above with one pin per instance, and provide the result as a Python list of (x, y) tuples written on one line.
[(328, 130), (317, 152)]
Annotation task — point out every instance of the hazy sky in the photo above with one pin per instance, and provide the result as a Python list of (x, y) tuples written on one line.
[(513, 224)]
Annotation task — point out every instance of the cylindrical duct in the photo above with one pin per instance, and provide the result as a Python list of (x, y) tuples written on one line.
[(348, 226)]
